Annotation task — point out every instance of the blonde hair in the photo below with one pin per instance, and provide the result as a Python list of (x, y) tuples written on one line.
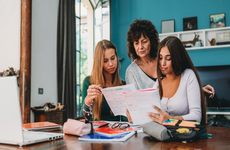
[(97, 76)]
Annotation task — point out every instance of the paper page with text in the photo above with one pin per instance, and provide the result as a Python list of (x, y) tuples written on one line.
[(115, 98), (139, 103)]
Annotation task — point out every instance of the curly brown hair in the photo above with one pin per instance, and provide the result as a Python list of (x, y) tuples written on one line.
[(146, 28)]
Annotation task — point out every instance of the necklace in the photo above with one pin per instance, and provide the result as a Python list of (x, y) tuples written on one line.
[(109, 83)]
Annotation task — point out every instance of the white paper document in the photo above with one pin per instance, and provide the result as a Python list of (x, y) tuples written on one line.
[(139, 103), (115, 98)]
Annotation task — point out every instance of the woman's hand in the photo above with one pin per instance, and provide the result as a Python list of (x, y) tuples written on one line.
[(161, 117), (93, 92), (209, 90), (128, 116)]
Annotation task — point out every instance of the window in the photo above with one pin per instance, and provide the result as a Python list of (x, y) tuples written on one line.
[(78, 53), (90, 28), (101, 21)]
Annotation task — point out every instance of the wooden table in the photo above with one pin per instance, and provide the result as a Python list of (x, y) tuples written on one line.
[(220, 140)]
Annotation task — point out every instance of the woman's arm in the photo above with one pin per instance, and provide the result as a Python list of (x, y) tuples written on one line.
[(89, 93), (193, 97)]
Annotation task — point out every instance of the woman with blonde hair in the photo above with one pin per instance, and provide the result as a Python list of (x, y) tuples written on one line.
[(105, 73)]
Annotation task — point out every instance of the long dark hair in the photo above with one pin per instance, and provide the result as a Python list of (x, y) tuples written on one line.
[(180, 61)]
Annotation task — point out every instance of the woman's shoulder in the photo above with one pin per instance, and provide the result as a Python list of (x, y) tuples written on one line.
[(86, 80), (189, 73), (132, 67)]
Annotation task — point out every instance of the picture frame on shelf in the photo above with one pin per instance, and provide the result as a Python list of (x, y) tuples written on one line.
[(222, 38), (217, 20), (189, 23), (167, 26)]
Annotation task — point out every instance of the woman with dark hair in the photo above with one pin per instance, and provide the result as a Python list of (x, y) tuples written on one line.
[(179, 84), (142, 46)]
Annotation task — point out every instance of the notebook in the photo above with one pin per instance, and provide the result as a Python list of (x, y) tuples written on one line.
[(41, 126), (106, 131), (10, 116)]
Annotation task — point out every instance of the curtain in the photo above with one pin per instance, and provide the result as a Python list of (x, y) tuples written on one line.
[(66, 58)]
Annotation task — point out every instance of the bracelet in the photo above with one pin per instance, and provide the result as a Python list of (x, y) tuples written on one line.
[(87, 112), (90, 104)]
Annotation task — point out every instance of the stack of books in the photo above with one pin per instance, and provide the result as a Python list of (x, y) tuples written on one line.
[(106, 134)]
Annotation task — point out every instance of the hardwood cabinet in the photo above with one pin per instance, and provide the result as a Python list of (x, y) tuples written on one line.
[(51, 116)]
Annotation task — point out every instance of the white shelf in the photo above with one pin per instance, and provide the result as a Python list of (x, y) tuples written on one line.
[(204, 36)]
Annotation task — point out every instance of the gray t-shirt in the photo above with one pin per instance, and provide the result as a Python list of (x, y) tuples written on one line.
[(135, 75)]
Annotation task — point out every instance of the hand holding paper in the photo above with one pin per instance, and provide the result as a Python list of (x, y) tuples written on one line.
[(115, 98), (139, 103), (160, 117)]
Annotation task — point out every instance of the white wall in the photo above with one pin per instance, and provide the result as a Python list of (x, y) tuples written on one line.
[(43, 59), (10, 19), (43, 47)]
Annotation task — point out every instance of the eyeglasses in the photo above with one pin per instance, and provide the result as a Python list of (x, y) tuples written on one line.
[(119, 125)]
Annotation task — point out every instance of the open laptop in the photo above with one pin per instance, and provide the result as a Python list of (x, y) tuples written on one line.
[(11, 131)]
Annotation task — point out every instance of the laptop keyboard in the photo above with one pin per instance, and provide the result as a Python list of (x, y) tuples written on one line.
[(31, 136)]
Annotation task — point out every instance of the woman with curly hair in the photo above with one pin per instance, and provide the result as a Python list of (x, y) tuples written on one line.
[(142, 46)]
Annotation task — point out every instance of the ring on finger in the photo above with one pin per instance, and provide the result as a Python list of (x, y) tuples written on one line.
[(93, 94)]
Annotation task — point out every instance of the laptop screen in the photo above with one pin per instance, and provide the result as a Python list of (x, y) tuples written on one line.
[(10, 114)]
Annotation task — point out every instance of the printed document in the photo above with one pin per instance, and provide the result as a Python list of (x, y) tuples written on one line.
[(115, 98), (139, 103)]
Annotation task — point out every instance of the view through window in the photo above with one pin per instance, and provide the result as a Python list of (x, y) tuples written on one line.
[(101, 31)]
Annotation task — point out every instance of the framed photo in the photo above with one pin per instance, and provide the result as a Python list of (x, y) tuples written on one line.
[(167, 26), (217, 20), (223, 37), (190, 23)]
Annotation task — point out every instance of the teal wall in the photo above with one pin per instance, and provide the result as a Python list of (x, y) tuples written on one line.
[(124, 12)]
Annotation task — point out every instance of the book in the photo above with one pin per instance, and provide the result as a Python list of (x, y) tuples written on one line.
[(107, 131), (98, 124), (102, 138), (41, 126)]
